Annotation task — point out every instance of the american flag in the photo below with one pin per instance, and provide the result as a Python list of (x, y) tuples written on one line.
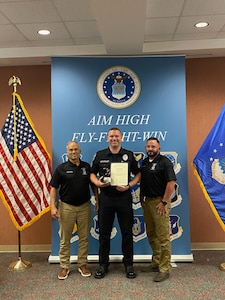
[(25, 168)]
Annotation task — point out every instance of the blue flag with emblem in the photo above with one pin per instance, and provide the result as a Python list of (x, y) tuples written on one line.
[(209, 168)]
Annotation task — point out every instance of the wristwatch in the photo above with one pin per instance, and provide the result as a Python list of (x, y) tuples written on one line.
[(164, 202)]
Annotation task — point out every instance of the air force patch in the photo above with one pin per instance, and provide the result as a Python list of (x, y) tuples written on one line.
[(173, 156), (139, 232), (175, 230), (135, 190), (95, 229)]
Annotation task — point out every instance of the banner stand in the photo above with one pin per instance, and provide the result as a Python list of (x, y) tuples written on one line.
[(118, 258)]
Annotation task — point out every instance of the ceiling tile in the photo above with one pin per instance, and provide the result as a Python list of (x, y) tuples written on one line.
[(104, 27), (8, 33), (221, 35), (158, 37), (30, 11), (164, 8), (160, 26), (58, 31), (195, 36), (3, 19), (83, 29), (204, 7), (70, 10), (55, 42), (186, 24), (87, 41)]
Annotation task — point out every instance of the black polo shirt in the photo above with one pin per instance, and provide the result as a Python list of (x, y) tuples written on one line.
[(73, 182), (101, 166), (155, 175)]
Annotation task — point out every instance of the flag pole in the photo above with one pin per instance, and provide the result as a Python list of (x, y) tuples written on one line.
[(20, 264)]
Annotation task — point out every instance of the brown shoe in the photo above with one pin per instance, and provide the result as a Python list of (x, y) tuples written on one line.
[(150, 268), (63, 274), (84, 271), (161, 276)]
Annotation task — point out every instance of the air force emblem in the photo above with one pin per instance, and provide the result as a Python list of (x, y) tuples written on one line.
[(175, 230), (139, 232), (135, 190), (95, 229), (118, 87), (173, 157)]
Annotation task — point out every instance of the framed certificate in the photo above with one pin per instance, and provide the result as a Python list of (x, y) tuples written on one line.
[(119, 173)]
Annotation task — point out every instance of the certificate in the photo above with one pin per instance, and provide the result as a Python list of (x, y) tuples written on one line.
[(119, 173)]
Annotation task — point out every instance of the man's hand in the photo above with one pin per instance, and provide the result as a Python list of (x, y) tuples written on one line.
[(142, 201), (161, 209), (101, 183), (54, 213), (96, 207), (122, 188)]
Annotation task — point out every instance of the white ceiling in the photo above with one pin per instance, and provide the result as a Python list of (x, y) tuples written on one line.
[(109, 28)]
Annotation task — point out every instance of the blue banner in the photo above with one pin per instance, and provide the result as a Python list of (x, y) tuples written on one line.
[(143, 97)]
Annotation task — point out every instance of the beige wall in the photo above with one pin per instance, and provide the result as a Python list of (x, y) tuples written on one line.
[(205, 80)]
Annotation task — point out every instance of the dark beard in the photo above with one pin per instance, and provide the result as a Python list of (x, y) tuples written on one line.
[(153, 154)]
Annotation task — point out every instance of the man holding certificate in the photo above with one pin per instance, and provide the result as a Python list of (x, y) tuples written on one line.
[(111, 172)]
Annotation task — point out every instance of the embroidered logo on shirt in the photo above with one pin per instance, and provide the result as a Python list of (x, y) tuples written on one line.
[(153, 167), (84, 171)]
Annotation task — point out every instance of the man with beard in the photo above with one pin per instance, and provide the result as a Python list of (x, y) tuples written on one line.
[(157, 185)]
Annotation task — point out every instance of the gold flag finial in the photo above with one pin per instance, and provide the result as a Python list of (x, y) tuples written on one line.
[(14, 81)]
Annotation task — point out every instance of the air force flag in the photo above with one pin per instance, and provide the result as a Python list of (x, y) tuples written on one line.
[(209, 168)]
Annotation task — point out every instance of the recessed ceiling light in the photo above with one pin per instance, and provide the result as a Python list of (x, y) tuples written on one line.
[(44, 32), (201, 24)]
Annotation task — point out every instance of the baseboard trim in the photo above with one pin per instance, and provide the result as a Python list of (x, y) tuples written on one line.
[(208, 246), (47, 248), (26, 248)]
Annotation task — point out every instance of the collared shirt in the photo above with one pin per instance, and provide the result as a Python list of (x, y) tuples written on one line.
[(155, 175), (102, 162), (73, 182)]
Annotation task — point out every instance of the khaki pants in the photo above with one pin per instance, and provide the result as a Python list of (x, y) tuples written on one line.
[(158, 232), (69, 216)]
